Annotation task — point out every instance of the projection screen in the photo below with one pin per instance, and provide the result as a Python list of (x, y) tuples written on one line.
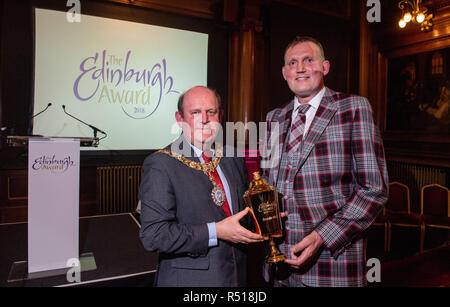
[(121, 77)]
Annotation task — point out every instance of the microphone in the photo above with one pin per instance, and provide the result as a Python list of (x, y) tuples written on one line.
[(92, 127), (49, 104)]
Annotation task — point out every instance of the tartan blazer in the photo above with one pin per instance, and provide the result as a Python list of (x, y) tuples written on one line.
[(339, 185)]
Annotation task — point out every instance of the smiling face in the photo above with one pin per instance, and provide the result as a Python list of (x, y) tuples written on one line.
[(201, 116), (304, 70)]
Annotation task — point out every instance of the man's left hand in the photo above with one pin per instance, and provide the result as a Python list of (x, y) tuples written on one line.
[(308, 248)]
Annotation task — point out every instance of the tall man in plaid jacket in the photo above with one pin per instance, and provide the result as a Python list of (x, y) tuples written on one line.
[(328, 163)]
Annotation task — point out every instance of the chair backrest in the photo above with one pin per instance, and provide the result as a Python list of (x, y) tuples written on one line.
[(435, 200), (398, 200)]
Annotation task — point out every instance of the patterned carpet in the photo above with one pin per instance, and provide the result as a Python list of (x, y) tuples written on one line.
[(430, 268), (405, 265)]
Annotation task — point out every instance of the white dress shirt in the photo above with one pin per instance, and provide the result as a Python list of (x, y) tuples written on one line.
[(315, 102)]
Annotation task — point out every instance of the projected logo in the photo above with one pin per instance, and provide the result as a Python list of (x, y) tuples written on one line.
[(53, 164), (110, 79)]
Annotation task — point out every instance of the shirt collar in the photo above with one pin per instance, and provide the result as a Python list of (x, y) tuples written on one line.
[(198, 151), (314, 102)]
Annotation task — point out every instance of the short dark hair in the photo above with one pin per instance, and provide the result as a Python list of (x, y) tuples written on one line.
[(304, 39), (181, 99)]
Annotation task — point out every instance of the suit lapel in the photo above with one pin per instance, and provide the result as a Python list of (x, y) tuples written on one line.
[(324, 114), (284, 119)]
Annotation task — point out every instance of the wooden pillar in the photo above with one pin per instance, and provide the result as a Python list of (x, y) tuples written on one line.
[(369, 85), (241, 76), (243, 58)]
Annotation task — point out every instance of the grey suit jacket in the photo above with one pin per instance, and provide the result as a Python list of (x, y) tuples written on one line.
[(176, 206)]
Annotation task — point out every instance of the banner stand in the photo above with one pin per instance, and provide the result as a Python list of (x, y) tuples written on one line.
[(53, 210)]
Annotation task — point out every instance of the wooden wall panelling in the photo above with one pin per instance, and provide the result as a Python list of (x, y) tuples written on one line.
[(389, 42), (335, 8), (197, 8), (1, 69), (390, 36)]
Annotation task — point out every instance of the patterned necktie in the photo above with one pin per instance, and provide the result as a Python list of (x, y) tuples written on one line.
[(298, 127), (218, 182)]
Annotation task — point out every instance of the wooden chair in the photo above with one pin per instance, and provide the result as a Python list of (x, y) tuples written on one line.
[(398, 212), (435, 206)]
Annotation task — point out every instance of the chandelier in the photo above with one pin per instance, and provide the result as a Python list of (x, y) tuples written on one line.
[(412, 11)]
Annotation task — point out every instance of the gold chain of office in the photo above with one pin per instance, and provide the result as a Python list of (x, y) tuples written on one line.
[(217, 194)]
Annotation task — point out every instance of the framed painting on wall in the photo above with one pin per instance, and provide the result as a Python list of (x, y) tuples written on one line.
[(414, 88), (418, 92)]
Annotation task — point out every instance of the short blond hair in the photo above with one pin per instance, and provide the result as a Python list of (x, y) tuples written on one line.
[(304, 39)]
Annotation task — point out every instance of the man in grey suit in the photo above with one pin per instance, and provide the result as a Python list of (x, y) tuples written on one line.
[(192, 204)]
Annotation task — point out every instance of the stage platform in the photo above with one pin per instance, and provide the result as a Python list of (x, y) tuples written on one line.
[(113, 240)]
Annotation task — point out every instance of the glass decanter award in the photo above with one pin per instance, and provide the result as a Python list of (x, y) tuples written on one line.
[(262, 199)]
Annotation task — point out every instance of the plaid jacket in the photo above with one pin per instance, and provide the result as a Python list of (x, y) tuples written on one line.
[(335, 184)]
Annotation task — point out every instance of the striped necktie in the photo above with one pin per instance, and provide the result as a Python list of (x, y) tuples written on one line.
[(298, 127)]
